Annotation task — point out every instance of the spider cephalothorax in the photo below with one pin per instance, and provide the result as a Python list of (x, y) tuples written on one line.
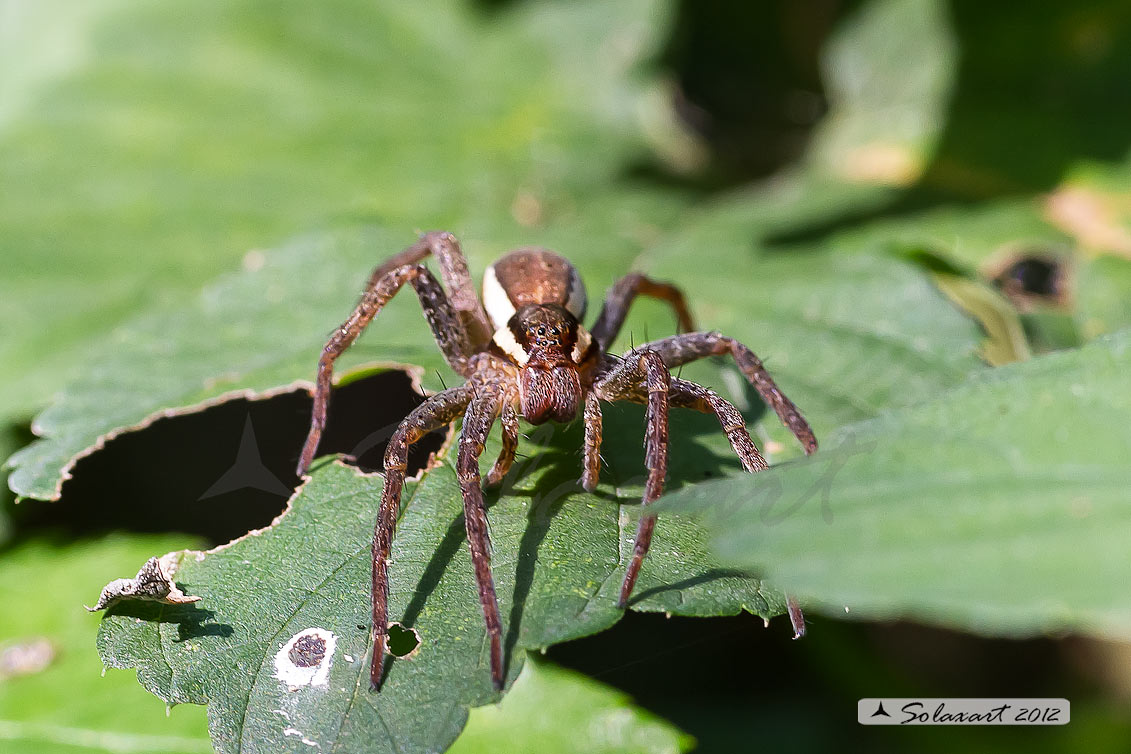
[(535, 299), (524, 351), (550, 386)]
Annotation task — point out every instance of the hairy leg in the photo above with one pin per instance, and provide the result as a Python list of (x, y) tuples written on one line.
[(509, 419), (438, 411), (688, 394), (681, 349), (647, 367), (691, 395), (477, 423), (450, 335), (591, 472), (620, 298), (453, 270)]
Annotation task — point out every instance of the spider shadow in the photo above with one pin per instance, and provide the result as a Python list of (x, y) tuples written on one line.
[(442, 556), (706, 577), (193, 622), (538, 524), (553, 451)]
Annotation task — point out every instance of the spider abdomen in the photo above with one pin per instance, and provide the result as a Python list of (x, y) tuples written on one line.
[(531, 276)]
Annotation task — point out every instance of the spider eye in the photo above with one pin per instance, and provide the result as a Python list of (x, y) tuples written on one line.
[(541, 330)]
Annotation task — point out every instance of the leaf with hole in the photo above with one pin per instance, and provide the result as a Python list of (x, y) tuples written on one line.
[(278, 644), (847, 336), (150, 145)]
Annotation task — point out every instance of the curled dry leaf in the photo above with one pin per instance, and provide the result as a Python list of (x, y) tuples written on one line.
[(153, 582)]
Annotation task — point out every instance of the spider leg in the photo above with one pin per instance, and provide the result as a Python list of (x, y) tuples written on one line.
[(620, 298), (647, 366), (509, 419), (691, 395), (453, 270), (592, 449), (437, 411), (477, 423), (688, 394), (681, 349), (450, 334)]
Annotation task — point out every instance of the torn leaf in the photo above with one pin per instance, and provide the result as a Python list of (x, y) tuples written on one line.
[(153, 582)]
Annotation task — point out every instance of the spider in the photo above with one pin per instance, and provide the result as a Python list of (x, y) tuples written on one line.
[(524, 352)]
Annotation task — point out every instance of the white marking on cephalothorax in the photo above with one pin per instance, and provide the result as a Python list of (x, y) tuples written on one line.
[(305, 659), (505, 340), (578, 299), (496, 300), (584, 340)]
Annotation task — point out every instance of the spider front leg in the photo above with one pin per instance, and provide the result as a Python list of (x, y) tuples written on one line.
[(691, 395), (437, 411), (446, 326), (688, 394), (453, 271), (477, 423), (620, 298), (592, 419), (682, 349), (622, 381), (509, 419)]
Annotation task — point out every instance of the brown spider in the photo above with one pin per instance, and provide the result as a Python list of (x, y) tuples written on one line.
[(525, 353)]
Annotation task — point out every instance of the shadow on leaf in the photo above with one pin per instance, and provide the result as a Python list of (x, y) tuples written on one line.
[(193, 622)]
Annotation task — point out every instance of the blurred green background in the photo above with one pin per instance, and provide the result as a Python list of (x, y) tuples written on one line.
[(146, 149)]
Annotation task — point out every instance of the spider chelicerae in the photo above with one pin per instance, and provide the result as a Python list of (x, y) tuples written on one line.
[(524, 352)]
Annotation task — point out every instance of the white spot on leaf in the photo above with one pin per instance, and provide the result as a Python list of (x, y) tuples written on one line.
[(305, 659)]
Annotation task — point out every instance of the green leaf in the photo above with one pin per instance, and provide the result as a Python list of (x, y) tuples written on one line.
[(144, 156), (359, 105), (555, 711), (559, 557), (847, 336), (1104, 298), (66, 705), (889, 90), (998, 507), (256, 330)]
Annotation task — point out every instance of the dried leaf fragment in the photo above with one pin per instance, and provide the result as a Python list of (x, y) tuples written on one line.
[(153, 582)]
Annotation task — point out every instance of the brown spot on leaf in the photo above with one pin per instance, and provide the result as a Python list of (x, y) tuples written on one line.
[(308, 651)]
